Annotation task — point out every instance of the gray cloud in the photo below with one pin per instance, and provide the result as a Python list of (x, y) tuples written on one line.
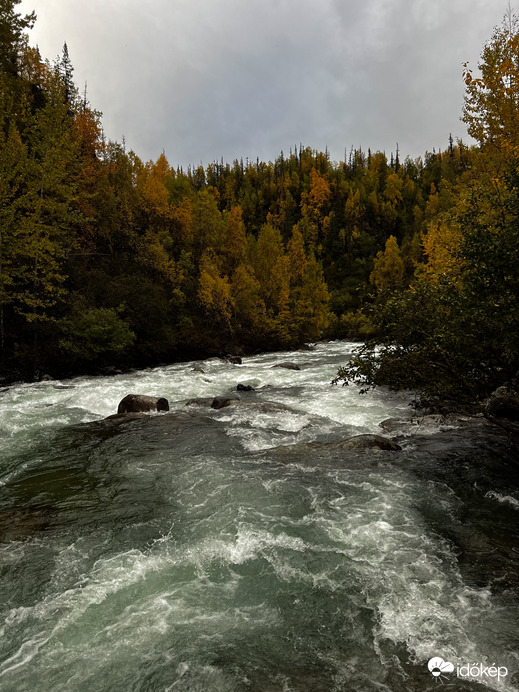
[(203, 79)]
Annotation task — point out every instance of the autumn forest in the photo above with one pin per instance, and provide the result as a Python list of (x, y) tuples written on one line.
[(110, 261)]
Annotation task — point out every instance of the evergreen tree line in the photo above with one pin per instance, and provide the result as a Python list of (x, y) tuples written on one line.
[(109, 260)]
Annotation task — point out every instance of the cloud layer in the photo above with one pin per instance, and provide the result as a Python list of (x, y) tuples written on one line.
[(204, 79)]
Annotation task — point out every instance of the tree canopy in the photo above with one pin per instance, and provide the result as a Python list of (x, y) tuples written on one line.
[(108, 259)]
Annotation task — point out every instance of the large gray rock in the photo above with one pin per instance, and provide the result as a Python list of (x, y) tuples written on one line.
[(139, 403)]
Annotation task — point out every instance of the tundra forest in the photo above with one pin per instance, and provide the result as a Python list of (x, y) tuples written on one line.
[(110, 261)]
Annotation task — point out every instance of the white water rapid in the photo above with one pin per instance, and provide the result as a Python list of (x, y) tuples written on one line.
[(235, 550)]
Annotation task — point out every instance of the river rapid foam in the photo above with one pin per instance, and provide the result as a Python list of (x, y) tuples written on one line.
[(236, 550)]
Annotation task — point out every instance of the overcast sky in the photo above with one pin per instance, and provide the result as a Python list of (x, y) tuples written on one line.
[(202, 79)]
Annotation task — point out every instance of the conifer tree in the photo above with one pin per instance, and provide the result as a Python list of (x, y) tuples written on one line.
[(388, 270), (40, 206), (66, 72), (12, 29)]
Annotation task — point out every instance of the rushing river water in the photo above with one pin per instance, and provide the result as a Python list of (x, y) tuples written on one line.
[(233, 550)]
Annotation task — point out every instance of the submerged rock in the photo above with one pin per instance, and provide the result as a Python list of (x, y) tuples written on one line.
[(20, 524), (502, 408), (234, 360), (121, 417), (269, 407), (368, 441), (223, 401), (244, 388), (214, 402), (288, 366), (391, 425), (200, 401), (139, 403), (357, 443), (423, 424)]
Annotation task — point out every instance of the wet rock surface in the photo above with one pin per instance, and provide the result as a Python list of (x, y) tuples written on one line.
[(477, 464), (224, 401), (234, 360), (21, 524), (200, 401), (365, 442), (244, 387), (139, 403)]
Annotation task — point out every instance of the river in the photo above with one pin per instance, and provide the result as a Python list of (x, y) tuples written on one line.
[(234, 550)]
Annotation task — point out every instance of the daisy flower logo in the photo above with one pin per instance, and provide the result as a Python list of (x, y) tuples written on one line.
[(438, 666)]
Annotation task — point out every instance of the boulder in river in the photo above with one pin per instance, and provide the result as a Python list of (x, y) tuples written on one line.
[(223, 401), (200, 401), (216, 402), (288, 366), (503, 404), (368, 441), (334, 449), (502, 408), (392, 425), (269, 407), (125, 417), (139, 403), (244, 388), (234, 360), (427, 423)]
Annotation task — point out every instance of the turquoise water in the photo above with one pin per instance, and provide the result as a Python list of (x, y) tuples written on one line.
[(217, 551)]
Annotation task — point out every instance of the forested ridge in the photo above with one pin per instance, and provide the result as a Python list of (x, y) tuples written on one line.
[(107, 260)]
